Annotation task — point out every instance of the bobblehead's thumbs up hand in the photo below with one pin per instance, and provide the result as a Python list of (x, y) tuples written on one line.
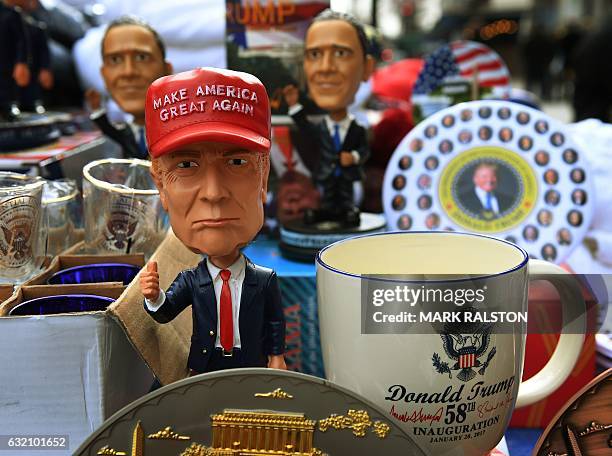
[(149, 282)]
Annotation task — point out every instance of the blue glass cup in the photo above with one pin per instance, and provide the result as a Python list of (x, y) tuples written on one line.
[(49, 305), (95, 273)]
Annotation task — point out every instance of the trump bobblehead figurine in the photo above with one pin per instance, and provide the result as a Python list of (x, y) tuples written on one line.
[(208, 132)]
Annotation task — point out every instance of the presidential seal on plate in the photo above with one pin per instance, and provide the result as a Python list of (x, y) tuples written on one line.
[(492, 167)]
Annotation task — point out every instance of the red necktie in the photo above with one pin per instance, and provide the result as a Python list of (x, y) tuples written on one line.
[(227, 324)]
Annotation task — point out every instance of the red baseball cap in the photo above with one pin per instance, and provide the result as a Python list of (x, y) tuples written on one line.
[(207, 104)]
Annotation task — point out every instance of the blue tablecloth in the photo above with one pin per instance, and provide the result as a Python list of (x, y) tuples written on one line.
[(299, 292), (522, 441), (266, 253)]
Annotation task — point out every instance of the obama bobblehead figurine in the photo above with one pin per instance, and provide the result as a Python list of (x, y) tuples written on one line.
[(133, 56), (208, 132), (336, 61)]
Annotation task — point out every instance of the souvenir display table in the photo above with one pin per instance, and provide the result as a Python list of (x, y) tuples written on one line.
[(62, 158)]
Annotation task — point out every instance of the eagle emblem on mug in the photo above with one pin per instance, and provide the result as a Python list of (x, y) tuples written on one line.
[(465, 344), (17, 220)]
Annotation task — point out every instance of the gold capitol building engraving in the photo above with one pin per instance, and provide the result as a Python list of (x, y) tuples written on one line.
[(251, 433), (261, 433), (106, 450), (278, 393), (168, 434)]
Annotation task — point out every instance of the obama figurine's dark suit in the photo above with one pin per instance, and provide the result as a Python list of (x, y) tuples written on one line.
[(337, 181), (261, 318)]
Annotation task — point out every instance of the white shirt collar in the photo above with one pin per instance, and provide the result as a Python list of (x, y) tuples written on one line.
[(237, 269), (344, 124), (136, 131), (482, 194)]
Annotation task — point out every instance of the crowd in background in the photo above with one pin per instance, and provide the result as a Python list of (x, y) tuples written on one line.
[(564, 62)]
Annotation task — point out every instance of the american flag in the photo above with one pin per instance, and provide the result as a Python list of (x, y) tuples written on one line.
[(460, 60), (466, 361)]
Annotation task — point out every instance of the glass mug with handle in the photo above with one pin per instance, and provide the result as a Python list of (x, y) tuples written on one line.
[(451, 381), (122, 209), (62, 214), (22, 231)]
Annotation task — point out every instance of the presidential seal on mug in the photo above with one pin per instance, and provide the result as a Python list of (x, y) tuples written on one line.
[(21, 244), (122, 209)]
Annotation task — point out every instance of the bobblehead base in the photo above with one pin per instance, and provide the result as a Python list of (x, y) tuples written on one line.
[(30, 130), (302, 242)]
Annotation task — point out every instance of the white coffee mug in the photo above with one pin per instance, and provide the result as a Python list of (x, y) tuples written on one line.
[(452, 389)]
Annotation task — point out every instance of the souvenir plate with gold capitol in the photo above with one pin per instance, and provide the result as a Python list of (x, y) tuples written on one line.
[(248, 412), (493, 167)]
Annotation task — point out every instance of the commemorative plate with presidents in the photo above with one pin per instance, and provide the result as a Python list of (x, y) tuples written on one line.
[(492, 167), (246, 412)]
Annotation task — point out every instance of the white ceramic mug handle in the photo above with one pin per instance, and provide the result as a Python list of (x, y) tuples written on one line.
[(564, 358)]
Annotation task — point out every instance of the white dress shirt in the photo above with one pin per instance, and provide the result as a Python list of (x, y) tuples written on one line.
[(235, 282), (482, 196)]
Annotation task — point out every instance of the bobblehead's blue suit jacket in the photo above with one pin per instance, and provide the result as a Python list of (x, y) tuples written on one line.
[(261, 319)]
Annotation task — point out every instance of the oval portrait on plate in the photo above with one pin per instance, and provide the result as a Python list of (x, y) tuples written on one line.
[(488, 189)]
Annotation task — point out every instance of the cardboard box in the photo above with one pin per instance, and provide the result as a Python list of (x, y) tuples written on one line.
[(6, 291), (65, 374)]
